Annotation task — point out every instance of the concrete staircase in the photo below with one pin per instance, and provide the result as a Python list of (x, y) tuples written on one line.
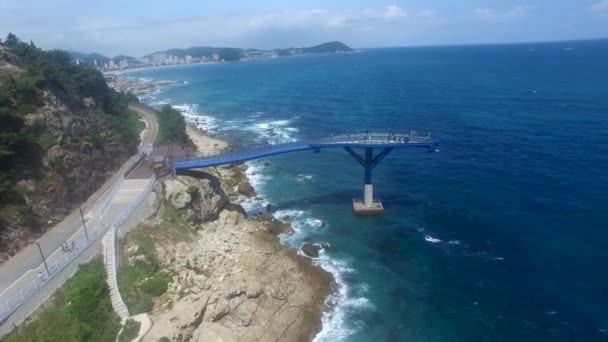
[(109, 255)]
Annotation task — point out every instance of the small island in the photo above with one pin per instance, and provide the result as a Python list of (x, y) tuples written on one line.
[(330, 47)]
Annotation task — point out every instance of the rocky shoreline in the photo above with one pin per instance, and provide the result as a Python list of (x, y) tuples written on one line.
[(231, 279)]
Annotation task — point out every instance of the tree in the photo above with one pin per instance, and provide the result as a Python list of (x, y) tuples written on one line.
[(172, 126), (11, 40)]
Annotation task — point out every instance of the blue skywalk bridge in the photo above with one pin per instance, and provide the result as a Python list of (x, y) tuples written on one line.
[(368, 142)]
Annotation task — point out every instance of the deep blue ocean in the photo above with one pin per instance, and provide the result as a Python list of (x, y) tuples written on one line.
[(501, 236)]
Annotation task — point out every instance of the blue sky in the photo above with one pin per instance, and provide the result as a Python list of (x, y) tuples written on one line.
[(138, 27)]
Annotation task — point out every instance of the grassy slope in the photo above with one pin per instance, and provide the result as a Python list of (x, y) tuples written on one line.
[(142, 280), (80, 311)]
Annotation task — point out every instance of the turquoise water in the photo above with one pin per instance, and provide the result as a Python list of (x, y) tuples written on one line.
[(501, 236)]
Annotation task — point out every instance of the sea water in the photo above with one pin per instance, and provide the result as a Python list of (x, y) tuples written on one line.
[(501, 236)]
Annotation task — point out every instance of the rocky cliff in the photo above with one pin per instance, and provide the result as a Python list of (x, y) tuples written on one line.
[(63, 134), (232, 280)]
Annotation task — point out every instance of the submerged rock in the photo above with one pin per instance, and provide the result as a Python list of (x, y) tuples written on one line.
[(311, 250)]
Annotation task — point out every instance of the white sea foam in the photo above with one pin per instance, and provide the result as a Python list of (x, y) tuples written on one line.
[(454, 242), (431, 239), (257, 179), (288, 215), (315, 223), (335, 324), (304, 178), (158, 103), (194, 117), (274, 132)]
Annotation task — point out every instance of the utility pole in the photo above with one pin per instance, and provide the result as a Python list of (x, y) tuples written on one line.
[(83, 223), (43, 259)]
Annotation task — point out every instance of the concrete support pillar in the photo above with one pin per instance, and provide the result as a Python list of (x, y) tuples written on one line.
[(367, 205), (368, 195), (368, 188)]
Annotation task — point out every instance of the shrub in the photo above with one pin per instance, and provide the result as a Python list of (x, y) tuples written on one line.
[(193, 191)]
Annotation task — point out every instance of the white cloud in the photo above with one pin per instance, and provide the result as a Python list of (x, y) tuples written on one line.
[(599, 8), (118, 34), (393, 11), (495, 16)]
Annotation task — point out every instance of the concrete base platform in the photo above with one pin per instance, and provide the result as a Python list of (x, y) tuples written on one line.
[(360, 208)]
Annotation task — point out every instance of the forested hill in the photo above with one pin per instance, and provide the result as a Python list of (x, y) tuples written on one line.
[(63, 132)]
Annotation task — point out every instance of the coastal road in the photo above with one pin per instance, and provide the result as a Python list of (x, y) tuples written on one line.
[(149, 117), (23, 267)]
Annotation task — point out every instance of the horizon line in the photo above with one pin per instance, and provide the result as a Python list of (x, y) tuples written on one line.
[(377, 47)]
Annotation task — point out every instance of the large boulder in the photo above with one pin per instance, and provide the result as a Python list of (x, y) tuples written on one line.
[(211, 200), (246, 189), (176, 192), (200, 199)]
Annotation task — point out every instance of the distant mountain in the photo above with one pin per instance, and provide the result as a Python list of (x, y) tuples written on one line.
[(328, 47), (90, 58), (120, 57)]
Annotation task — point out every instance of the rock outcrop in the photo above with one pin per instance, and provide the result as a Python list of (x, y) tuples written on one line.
[(234, 281), (201, 199)]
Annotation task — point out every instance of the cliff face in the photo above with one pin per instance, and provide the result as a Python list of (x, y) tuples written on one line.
[(79, 153), (232, 280), (72, 147)]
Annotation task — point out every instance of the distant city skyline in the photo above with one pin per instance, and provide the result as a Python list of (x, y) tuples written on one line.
[(137, 28)]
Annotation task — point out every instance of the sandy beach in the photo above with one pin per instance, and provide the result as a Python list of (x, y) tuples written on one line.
[(204, 143)]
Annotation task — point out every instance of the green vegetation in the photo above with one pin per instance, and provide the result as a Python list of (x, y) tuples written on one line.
[(141, 280), (80, 311), (23, 141), (129, 331), (172, 127), (193, 191)]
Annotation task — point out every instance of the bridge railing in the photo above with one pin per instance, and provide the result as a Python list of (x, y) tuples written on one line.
[(355, 139)]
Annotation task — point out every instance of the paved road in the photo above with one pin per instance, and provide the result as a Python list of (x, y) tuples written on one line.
[(29, 257)]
